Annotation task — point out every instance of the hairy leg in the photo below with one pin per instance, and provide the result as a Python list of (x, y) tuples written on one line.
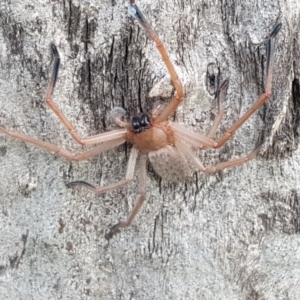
[(128, 177), (264, 97), (199, 165), (192, 137), (109, 141), (172, 106), (116, 228), (83, 141), (221, 95)]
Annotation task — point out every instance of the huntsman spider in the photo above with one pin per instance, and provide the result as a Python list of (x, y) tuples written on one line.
[(152, 136)]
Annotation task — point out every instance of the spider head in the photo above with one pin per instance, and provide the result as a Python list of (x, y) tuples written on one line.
[(141, 123)]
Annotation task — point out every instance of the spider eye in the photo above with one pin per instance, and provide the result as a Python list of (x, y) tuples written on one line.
[(145, 122), (140, 124), (136, 124)]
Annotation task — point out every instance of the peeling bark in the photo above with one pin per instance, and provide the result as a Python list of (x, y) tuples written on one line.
[(230, 235)]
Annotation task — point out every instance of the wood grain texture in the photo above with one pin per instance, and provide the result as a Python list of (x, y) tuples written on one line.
[(230, 235)]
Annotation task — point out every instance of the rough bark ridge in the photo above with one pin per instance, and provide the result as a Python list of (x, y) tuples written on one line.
[(231, 235)]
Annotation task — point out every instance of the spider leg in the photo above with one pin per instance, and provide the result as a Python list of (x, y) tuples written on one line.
[(192, 137), (264, 97), (128, 177), (106, 136), (198, 164), (50, 102), (56, 110), (220, 96), (171, 107), (196, 139), (201, 141), (109, 140), (116, 228)]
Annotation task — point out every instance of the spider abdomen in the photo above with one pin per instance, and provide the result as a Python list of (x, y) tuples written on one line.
[(170, 164)]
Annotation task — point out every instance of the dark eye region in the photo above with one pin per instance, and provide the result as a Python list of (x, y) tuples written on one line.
[(140, 124)]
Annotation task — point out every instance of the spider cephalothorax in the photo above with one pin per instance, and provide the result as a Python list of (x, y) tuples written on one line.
[(167, 145), (151, 136)]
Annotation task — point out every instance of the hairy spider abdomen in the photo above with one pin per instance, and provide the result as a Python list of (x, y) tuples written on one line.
[(154, 138)]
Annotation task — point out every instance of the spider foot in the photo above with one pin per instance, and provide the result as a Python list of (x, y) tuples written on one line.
[(270, 55), (224, 84), (279, 137), (221, 94), (54, 72), (114, 230), (80, 183), (275, 30)]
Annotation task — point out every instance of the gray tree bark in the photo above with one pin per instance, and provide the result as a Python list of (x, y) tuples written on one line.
[(230, 235)]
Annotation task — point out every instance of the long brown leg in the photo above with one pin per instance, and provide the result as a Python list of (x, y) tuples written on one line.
[(233, 163), (103, 137), (128, 177), (196, 139), (83, 141), (50, 102), (200, 141), (192, 137), (198, 164), (109, 141), (221, 95), (171, 107), (138, 205), (264, 97)]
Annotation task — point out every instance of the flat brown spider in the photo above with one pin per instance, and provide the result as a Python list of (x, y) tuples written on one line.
[(152, 135)]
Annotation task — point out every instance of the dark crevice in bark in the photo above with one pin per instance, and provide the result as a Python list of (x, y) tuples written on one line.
[(115, 76), (15, 33), (15, 260), (281, 206), (72, 15), (290, 129), (296, 108), (213, 77)]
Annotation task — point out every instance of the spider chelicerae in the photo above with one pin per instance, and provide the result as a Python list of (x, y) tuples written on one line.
[(153, 137)]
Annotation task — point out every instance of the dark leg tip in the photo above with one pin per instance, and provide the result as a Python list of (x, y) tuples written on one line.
[(114, 230), (82, 183), (55, 67), (279, 137), (258, 146), (222, 89), (224, 84), (54, 50), (275, 30), (70, 184)]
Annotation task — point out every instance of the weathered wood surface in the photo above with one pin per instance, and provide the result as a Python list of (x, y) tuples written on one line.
[(231, 235)]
